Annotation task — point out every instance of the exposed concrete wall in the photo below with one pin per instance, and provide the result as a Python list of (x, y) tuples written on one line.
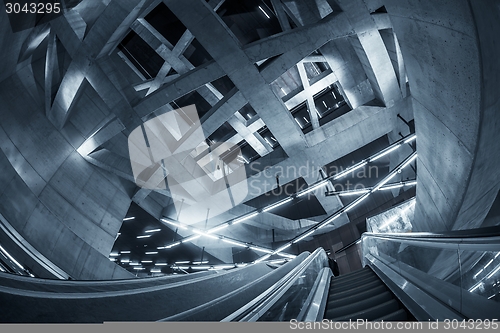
[(451, 74), (65, 207)]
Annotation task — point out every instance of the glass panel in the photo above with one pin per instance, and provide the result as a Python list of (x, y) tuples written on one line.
[(481, 273), (397, 219), (290, 304), (467, 281)]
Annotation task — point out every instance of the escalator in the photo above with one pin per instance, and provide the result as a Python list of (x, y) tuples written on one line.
[(406, 277), (362, 295)]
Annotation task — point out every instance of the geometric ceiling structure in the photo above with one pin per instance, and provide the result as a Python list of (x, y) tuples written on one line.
[(219, 114)]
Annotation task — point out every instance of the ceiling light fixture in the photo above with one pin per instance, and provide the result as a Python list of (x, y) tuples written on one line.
[(264, 12), (268, 208), (244, 218)]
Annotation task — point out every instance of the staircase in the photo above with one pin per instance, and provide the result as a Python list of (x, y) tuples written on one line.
[(362, 295)]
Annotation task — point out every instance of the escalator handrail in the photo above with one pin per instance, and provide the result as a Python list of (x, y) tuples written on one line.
[(453, 234), (252, 311), (479, 243)]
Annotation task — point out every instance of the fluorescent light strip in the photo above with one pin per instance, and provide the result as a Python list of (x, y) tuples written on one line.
[(493, 272), (172, 245), (498, 254), (262, 258), (223, 266), (11, 258), (385, 181), (260, 249), (153, 230), (286, 255), (161, 264), (155, 270), (489, 263), (112, 259), (277, 261), (183, 267), (282, 248), (314, 187), (152, 252), (277, 204), (410, 139), (264, 12), (146, 261), (189, 239), (391, 187), (482, 269), (330, 220), (200, 267), (144, 236), (234, 243), (356, 202), (124, 261), (183, 262), (139, 268), (134, 264), (244, 218), (114, 254), (202, 233), (224, 226), (383, 153), (178, 225), (475, 287), (123, 252), (349, 170), (304, 236), (354, 192), (128, 218), (409, 161), (200, 262)]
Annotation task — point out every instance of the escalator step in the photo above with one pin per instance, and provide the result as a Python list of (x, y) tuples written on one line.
[(357, 297), (362, 305), (353, 275), (400, 315), (339, 280), (371, 313), (351, 284), (355, 290)]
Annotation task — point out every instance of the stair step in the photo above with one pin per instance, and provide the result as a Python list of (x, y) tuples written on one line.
[(357, 297), (353, 275), (362, 305), (400, 315), (350, 284), (355, 290), (371, 313), (352, 278)]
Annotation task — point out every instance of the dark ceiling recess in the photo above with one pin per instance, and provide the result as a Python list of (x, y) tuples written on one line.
[(202, 106), (249, 20), (300, 208), (247, 151), (145, 59), (142, 222), (223, 85), (196, 54), (222, 134), (167, 24)]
